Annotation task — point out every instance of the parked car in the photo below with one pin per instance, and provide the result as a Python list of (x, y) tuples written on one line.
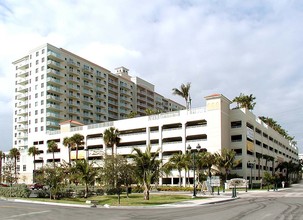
[(36, 186), (3, 185)]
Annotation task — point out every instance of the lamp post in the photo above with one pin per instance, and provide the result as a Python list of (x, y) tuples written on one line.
[(194, 166), (251, 164)]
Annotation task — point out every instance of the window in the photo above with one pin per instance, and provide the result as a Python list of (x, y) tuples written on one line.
[(42, 111), (42, 85), (36, 121), (36, 112), (42, 76), (42, 68), (36, 95), (36, 104), (24, 167), (37, 53), (42, 59), (236, 138), (36, 78), (37, 62), (42, 94), (37, 70), (42, 102), (43, 50), (36, 129), (236, 124), (42, 119), (41, 128)]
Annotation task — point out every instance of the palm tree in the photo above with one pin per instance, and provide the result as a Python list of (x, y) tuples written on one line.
[(259, 156), (245, 101), (111, 139), (178, 162), (33, 151), (85, 172), (67, 142), (15, 154), (77, 140), (52, 147), (226, 160), (1, 156), (184, 93), (146, 167)]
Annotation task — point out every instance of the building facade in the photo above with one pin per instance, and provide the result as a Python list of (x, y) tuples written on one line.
[(213, 127), (54, 85)]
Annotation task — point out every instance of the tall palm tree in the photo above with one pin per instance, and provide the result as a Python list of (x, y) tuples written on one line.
[(226, 160), (245, 101), (77, 140), (33, 151), (52, 147), (67, 142), (1, 156), (85, 173), (15, 154), (259, 156), (178, 162), (111, 138), (184, 93), (146, 167)]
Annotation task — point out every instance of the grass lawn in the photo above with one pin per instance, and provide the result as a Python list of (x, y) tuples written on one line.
[(133, 200)]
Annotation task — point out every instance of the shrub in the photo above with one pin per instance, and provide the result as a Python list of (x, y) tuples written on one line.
[(20, 191)]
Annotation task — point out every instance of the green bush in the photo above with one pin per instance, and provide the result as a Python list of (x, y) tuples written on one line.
[(20, 191), (174, 188)]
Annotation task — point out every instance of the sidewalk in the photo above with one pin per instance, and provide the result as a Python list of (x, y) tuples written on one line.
[(206, 199)]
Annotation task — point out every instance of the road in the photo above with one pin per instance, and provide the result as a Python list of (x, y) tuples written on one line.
[(280, 205)]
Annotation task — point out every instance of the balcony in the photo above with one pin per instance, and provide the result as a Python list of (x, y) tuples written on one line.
[(22, 97), (53, 115), (54, 64), (87, 70), (22, 89), (24, 65), (22, 81), (73, 87), (88, 85), (52, 72), (53, 98), (53, 89), (22, 112), (53, 81), (22, 128), (52, 124), (22, 74), (53, 107), (22, 104), (22, 120), (22, 136), (72, 63), (87, 76), (54, 56)]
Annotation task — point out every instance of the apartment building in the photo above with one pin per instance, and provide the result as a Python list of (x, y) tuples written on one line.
[(54, 85), (213, 127)]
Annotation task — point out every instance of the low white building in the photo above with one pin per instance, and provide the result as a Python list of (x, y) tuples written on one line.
[(213, 127)]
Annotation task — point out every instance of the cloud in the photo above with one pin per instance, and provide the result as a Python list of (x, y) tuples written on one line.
[(227, 47)]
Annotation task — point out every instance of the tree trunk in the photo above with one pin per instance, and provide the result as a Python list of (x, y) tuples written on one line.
[(180, 178), (259, 167), (0, 168), (86, 191), (76, 153), (69, 151), (146, 192), (54, 159), (16, 169)]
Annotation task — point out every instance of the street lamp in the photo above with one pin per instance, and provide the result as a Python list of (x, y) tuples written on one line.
[(251, 164), (194, 166)]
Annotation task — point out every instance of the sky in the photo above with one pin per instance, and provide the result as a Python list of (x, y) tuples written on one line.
[(219, 46)]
